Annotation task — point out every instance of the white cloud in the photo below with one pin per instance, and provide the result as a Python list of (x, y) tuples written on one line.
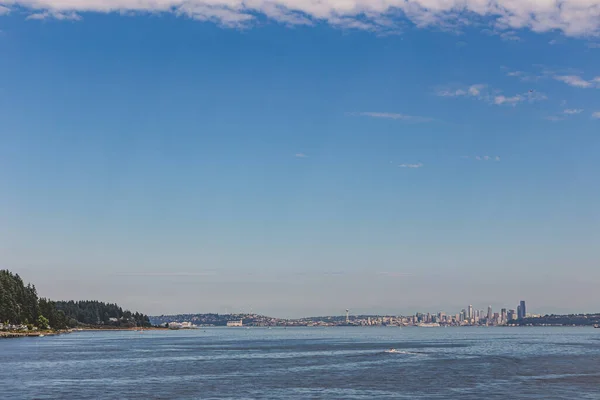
[(4, 10), (574, 80), (475, 90), (386, 115), (451, 93), (572, 17), (510, 36), (553, 42), (472, 91), (54, 15), (596, 115), (300, 155), (499, 100), (571, 111), (485, 93), (413, 166), (523, 76)]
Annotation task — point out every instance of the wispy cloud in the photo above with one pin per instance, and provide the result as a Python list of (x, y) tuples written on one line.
[(61, 16), (572, 111), (412, 166), (510, 36), (168, 274), (470, 91), (300, 155), (523, 76), (396, 116), (504, 17), (515, 73), (499, 100), (393, 274), (596, 115), (4, 10), (484, 93), (577, 81), (564, 114), (482, 158), (593, 45)]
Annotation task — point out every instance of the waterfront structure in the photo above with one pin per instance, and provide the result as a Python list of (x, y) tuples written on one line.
[(235, 323)]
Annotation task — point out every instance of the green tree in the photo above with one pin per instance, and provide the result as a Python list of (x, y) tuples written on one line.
[(42, 322)]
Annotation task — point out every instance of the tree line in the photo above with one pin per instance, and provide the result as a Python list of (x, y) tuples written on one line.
[(99, 313), (20, 305)]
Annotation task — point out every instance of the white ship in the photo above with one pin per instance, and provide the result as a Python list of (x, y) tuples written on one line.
[(428, 325)]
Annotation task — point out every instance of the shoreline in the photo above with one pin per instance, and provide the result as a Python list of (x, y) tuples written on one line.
[(153, 328), (17, 334), (43, 333)]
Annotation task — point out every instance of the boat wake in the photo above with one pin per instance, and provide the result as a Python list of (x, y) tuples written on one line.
[(394, 351)]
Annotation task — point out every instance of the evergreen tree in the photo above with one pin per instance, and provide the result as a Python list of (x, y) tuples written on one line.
[(19, 304)]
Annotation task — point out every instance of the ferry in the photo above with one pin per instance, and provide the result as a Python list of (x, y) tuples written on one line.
[(428, 325)]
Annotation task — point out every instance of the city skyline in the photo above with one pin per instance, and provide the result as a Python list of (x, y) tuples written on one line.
[(302, 159)]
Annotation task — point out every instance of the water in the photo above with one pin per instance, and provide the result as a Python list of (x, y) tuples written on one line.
[(305, 363)]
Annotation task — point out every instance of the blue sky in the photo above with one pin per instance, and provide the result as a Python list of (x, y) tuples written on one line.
[(301, 162)]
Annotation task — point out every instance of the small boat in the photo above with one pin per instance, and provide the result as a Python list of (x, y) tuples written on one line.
[(392, 351), (41, 335), (596, 325)]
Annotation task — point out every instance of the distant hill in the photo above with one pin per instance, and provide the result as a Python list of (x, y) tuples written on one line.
[(210, 319), (562, 320)]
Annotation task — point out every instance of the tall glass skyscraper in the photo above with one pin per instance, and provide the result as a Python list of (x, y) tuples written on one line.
[(522, 310)]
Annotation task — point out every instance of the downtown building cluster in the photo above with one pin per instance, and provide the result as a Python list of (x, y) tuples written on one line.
[(466, 317), (470, 316)]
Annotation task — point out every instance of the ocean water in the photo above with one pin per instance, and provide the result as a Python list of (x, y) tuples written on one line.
[(306, 363)]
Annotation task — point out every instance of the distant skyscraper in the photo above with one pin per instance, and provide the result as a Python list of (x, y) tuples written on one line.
[(523, 309), (519, 311), (489, 316), (470, 313), (510, 315)]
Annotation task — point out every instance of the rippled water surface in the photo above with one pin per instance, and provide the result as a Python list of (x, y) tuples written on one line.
[(301, 363)]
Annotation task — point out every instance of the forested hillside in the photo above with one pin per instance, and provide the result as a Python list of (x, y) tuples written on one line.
[(20, 305), (98, 313)]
